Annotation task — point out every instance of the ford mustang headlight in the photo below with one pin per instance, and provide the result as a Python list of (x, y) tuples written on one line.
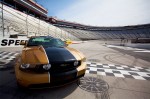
[(76, 63), (47, 66), (25, 66)]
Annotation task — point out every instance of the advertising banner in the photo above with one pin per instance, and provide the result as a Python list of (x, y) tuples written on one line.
[(11, 42)]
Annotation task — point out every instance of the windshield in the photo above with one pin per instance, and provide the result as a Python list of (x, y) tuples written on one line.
[(46, 42)]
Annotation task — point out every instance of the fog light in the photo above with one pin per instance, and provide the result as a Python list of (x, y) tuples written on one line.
[(47, 66), (25, 66), (76, 63)]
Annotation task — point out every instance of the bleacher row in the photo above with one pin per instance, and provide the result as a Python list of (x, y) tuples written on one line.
[(109, 34), (16, 22)]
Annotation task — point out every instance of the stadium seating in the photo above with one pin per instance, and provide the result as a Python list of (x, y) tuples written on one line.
[(16, 22), (132, 32)]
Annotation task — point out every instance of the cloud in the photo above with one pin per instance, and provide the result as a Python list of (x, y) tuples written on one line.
[(107, 12)]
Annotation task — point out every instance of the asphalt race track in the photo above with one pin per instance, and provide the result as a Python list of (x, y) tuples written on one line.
[(112, 73)]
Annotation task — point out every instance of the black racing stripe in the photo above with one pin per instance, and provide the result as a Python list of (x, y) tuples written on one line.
[(59, 54), (65, 77)]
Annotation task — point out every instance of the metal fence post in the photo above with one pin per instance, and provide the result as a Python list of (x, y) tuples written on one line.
[(39, 27), (27, 25), (48, 31), (61, 34), (2, 20), (55, 32)]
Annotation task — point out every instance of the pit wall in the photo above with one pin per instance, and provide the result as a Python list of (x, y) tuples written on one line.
[(126, 43)]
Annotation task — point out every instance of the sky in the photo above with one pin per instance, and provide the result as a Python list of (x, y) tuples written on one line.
[(100, 12)]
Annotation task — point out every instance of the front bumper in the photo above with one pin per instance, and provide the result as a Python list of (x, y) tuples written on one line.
[(46, 79)]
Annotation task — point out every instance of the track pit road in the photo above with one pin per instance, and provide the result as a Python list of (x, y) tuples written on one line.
[(92, 84)]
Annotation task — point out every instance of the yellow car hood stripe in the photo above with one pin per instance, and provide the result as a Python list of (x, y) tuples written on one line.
[(34, 55), (75, 53)]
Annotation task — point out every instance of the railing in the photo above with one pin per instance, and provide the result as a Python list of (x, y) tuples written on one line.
[(16, 22)]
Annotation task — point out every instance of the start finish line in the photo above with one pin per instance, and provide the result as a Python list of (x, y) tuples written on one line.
[(11, 42)]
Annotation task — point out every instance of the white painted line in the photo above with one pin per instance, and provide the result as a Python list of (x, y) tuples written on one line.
[(108, 70), (130, 48), (122, 71), (106, 66), (143, 74), (138, 77), (134, 69), (93, 69), (94, 65), (138, 67), (98, 63), (111, 65), (119, 75), (124, 66), (145, 51), (119, 67), (125, 73), (101, 73), (148, 70)]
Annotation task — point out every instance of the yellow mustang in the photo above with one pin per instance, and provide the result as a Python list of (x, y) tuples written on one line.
[(46, 62)]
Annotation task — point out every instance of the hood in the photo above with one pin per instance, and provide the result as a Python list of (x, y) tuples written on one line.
[(34, 55), (41, 55), (77, 54), (59, 54)]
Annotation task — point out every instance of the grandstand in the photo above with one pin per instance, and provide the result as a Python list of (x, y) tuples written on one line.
[(14, 22), (85, 32), (27, 18)]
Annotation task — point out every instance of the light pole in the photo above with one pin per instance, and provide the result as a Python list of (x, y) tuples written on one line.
[(55, 31), (2, 20), (27, 25), (39, 27), (48, 31), (61, 34)]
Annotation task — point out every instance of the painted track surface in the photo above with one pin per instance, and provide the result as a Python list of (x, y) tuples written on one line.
[(134, 72), (119, 87)]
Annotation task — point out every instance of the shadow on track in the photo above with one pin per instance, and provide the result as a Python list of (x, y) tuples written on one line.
[(10, 90)]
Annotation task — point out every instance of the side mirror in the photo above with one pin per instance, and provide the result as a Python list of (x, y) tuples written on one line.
[(68, 42), (23, 43)]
